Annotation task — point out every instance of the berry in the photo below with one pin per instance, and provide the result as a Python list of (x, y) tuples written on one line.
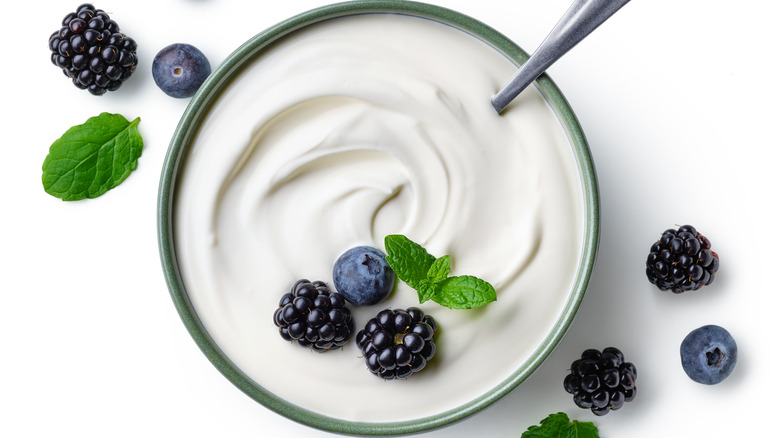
[(89, 43), (363, 276), (682, 260), (180, 69), (708, 354), (314, 317), (601, 381), (398, 343)]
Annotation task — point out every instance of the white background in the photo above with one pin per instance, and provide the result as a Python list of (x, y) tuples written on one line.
[(678, 100)]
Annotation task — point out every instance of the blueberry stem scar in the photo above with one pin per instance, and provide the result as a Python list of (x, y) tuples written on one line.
[(714, 357)]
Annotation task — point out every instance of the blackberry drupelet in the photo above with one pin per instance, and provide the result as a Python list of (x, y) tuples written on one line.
[(92, 52), (398, 343), (314, 317), (682, 260), (601, 381)]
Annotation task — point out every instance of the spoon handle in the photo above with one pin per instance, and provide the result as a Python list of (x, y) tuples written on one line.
[(582, 17)]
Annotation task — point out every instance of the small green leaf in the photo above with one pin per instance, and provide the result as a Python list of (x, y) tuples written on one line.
[(409, 260), (426, 290), (578, 429), (464, 292), (429, 276), (559, 426), (92, 158), (548, 427), (440, 269)]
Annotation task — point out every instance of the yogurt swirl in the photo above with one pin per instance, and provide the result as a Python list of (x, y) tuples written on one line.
[(353, 129)]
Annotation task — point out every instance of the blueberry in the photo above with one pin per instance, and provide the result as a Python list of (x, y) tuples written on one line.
[(708, 354), (363, 276), (180, 69)]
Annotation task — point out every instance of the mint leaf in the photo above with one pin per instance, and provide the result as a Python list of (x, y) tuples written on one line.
[(409, 260), (430, 276), (464, 292), (440, 269), (549, 427), (427, 290), (92, 158), (579, 429), (559, 426)]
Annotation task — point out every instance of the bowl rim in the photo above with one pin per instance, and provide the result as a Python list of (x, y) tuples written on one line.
[(198, 108)]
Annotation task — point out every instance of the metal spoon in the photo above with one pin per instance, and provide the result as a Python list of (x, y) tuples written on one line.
[(578, 22)]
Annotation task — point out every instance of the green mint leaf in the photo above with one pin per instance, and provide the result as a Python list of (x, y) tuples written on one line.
[(464, 292), (559, 426), (579, 429), (440, 269), (426, 290), (548, 428), (92, 158), (409, 260), (430, 276)]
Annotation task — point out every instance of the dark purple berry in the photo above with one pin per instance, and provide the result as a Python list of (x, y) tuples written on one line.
[(391, 346), (88, 45), (309, 315), (681, 261), (601, 380)]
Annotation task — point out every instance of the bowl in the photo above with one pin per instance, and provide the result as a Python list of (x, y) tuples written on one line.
[(223, 252)]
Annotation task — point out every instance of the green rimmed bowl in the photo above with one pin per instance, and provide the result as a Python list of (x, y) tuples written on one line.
[(210, 92)]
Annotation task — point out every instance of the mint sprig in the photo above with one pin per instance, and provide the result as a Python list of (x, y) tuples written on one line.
[(430, 276), (559, 426), (92, 158)]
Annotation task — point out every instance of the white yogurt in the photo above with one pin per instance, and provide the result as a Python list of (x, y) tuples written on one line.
[(353, 129)]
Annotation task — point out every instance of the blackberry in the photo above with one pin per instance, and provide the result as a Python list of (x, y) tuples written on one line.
[(397, 343), (314, 317), (601, 381), (92, 52), (682, 260)]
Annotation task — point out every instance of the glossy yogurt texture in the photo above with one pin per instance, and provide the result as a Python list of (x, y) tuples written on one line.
[(353, 129)]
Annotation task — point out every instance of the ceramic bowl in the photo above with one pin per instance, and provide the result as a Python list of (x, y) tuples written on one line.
[(211, 91)]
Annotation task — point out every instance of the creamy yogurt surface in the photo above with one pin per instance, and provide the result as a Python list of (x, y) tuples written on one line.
[(353, 129)]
